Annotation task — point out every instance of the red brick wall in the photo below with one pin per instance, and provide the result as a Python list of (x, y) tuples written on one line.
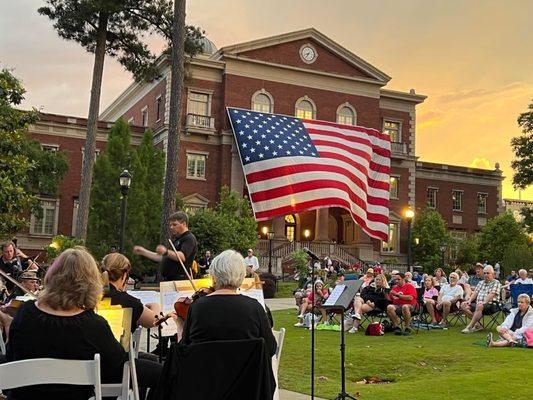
[(289, 54), (444, 201), (239, 91)]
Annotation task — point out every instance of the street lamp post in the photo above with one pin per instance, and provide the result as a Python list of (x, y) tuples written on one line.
[(125, 182), (409, 215), (442, 248), (270, 236)]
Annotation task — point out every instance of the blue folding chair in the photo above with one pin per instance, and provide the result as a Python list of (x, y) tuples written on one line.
[(518, 289)]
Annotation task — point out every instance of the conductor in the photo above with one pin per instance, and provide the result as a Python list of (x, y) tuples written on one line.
[(186, 247)]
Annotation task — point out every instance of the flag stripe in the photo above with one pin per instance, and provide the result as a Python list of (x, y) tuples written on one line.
[(335, 126)]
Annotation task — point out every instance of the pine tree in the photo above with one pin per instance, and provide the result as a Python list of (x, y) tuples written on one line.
[(146, 165), (116, 28)]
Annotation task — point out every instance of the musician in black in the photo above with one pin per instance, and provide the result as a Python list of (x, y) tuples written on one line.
[(186, 249), (205, 263), (12, 263)]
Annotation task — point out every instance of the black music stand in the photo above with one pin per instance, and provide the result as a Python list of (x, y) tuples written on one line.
[(343, 303)]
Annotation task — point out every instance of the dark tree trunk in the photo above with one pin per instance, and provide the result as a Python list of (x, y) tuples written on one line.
[(92, 129), (176, 87)]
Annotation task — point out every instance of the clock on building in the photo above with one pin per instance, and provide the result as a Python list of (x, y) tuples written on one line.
[(308, 53)]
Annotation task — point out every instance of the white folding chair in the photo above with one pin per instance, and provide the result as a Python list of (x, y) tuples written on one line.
[(280, 336), (136, 338), (41, 371), (122, 389)]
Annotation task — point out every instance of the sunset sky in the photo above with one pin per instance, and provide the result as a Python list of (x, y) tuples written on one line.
[(472, 58)]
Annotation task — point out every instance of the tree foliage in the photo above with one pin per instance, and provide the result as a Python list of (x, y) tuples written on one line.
[(145, 163), (430, 229), (523, 149), (498, 235), (26, 170), (516, 257), (468, 251), (527, 215), (229, 225), (59, 244)]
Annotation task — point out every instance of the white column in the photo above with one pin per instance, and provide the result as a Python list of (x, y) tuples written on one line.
[(278, 226), (321, 225)]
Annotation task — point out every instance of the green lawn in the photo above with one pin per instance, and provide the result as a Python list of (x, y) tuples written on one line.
[(439, 364), (286, 288)]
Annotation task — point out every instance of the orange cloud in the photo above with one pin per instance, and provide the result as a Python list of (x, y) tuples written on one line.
[(481, 162)]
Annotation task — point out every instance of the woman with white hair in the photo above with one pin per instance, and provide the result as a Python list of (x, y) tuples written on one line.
[(225, 314), (517, 322)]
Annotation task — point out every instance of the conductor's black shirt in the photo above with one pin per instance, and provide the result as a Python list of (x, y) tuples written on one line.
[(171, 270)]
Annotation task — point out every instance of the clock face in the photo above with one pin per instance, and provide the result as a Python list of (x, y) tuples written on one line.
[(308, 53)]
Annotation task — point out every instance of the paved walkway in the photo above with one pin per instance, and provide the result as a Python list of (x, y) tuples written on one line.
[(280, 304), (286, 395)]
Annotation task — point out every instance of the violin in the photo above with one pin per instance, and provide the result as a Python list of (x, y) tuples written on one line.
[(181, 306)]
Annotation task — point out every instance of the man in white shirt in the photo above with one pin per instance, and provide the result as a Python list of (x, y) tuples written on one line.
[(449, 295), (251, 261)]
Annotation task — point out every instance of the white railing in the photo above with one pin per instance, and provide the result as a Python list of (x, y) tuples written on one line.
[(200, 121)]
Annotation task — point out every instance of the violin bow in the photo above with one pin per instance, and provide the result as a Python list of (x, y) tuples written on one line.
[(183, 266), (16, 283)]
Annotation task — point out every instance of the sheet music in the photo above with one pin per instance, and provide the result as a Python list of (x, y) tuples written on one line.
[(254, 294), (168, 299), (114, 318), (145, 296), (334, 296)]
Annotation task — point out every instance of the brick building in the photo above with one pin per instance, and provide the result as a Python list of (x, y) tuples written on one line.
[(306, 74)]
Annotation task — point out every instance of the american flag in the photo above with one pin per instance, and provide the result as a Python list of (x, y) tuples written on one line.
[(293, 165)]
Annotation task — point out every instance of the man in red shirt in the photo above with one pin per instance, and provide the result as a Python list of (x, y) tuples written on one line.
[(403, 297)]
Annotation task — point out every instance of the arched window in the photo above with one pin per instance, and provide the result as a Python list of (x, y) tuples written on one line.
[(290, 227), (262, 102), (305, 108), (346, 115)]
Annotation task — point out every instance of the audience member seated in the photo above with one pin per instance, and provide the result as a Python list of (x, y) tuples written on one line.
[(439, 278), (403, 296), (473, 280), (429, 297), (368, 277), (409, 279), (512, 276), (225, 314), (463, 276), (449, 295), (116, 269), (373, 298), (417, 278), (522, 278), (303, 291), (512, 330), (481, 300), (316, 298)]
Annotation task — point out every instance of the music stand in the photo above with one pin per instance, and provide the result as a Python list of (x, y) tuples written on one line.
[(341, 299)]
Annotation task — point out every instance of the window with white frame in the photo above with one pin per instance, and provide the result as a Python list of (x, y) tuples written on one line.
[(457, 238), (431, 194), (198, 104), (393, 187), (394, 130), (46, 223), (346, 116), (391, 246), (52, 148), (144, 116), (457, 200), (482, 203), (261, 102), (196, 165), (305, 109)]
